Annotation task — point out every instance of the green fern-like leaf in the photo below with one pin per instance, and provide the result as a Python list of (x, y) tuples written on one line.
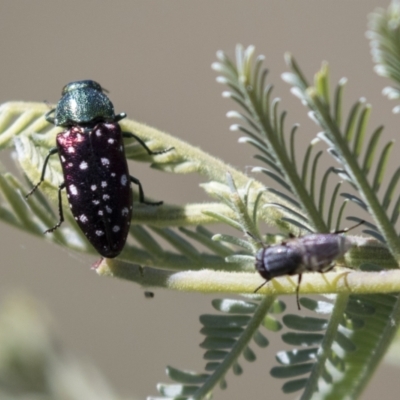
[(354, 135), (384, 32), (227, 337), (345, 147)]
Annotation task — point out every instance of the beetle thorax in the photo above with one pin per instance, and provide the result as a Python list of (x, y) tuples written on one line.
[(83, 102)]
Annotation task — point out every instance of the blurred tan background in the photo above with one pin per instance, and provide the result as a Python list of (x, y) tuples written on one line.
[(154, 57)]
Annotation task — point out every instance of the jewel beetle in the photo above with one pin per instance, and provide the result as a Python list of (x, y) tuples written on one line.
[(95, 169), (314, 253)]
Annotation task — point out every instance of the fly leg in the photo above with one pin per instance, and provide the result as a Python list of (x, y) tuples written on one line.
[(297, 291), (349, 229), (259, 287)]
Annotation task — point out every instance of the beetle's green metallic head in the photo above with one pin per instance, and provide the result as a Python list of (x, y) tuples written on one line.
[(83, 102)]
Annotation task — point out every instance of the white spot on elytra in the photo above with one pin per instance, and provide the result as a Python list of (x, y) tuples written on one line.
[(79, 137), (95, 202), (83, 218), (121, 148), (71, 149), (108, 209), (111, 140), (113, 174), (124, 180), (125, 212), (100, 212), (70, 205), (70, 164), (98, 132), (106, 197), (62, 158), (83, 165), (73, 190), (116, 228), (93, 187), (105, 161), (99, 233), (103, 184)]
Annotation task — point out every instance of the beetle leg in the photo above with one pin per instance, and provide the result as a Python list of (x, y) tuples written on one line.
[(297, 291), (48, 118), (119, 116), (60, 210), (52, 151), (143, 144), (141, 193)]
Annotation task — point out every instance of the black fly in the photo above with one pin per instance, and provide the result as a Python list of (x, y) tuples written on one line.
[(315, 253)]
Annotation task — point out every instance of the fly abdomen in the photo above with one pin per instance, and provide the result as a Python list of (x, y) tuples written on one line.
[(278, 260)]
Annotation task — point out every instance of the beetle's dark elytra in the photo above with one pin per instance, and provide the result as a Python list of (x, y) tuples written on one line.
[(96, 175)]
